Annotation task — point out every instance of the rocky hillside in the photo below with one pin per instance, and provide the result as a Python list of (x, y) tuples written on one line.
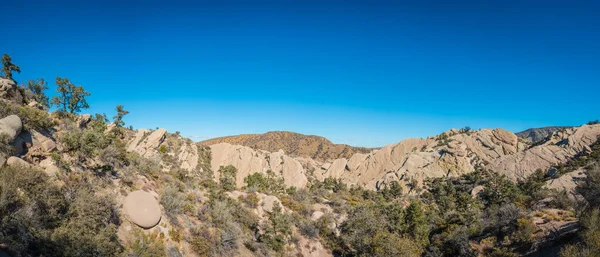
[(293, 144), (535, 135)]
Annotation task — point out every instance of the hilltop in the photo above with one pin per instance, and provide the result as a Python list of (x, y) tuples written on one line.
[(293, 144)]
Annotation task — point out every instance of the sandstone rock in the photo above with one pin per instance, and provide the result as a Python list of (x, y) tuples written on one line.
[(35, 104), (11, 126), (477, 190), (16, 162), (188, 156), (316, 215), (269, 202), (249, 161), (142, 209), (48, 145), (83, 120), (148, 146), (7, 86)]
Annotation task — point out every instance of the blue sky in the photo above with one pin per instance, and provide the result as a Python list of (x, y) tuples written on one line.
[(364, 73)]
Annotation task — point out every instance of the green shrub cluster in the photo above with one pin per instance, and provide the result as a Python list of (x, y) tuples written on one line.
[(38, 218)]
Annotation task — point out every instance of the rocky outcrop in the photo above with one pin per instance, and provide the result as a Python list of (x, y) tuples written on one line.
[(7, 87), (83, 120), (11, 126), (146, 143), (142, 209), (560, 148), (188, 156), (413, 160), (249, 161)]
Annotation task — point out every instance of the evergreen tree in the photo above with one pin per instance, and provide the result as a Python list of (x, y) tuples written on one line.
[(36, 89), (71, 98), (118, 119), (8, 67)]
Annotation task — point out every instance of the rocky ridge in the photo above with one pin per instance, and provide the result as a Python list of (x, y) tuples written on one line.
[(293, 144)]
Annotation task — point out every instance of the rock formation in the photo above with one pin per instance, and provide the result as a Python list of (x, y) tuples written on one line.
[(411, 161), (146, 142), (11, 126), (142, 209)]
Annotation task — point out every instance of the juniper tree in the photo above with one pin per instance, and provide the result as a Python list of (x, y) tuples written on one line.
[(8, 67), (36, 89), (71, 98), (118, 119)]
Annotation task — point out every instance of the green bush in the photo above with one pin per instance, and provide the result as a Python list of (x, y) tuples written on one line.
[(227, 177), (40, 218)]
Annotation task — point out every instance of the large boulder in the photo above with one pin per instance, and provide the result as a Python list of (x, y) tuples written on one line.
[(11, 126), (17, 162), (142, 209), (7, 86)]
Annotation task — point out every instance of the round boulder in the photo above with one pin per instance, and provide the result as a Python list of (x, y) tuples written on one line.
[(142, 209), (11, 126)]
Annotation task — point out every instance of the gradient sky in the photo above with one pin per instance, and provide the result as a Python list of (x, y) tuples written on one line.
[(364, 73)]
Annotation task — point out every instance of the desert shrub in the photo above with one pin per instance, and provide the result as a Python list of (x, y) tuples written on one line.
[(251, 200), (308, 229), (269, 183), (227, 177), (146, 245), (39, 218), (589, 235), (172, 200)]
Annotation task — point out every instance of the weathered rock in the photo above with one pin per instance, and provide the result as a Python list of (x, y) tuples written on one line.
[(142, 209), (48, 145), (249, 161), (16, 162), (148, 146), (477, 190), (11, 126), (83, 120), (316, 215), (188, 156), (269, 202), (35, 104), (7, 87)]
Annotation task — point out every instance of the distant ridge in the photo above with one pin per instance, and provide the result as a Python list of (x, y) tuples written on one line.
[(536, 135), (292, 143)]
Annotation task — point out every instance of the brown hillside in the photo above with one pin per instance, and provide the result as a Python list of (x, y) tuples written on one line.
[(291, 143)]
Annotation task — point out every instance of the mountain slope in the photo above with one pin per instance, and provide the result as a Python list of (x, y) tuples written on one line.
[(536, 135), (293, 144)]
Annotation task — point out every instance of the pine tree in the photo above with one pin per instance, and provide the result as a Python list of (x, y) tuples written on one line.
[(8, 67), (71, 98)]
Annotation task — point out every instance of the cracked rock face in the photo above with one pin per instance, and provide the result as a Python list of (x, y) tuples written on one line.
[(142, 209)]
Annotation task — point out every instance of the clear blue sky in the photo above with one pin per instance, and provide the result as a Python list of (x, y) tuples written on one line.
[(364, 73)]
